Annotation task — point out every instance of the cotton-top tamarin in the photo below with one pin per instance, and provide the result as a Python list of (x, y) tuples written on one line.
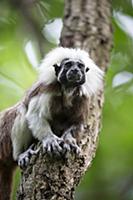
[(53, 111)]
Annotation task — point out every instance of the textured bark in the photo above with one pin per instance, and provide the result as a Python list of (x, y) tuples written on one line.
[(86, 25)]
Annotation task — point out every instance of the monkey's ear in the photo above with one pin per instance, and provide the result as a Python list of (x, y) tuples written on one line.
[(57, 69), (87, 69), (56, 66)]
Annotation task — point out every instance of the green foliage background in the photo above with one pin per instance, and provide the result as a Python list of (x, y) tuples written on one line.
[(111, 175)]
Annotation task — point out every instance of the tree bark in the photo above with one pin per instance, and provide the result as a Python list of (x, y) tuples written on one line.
[(86, 25)]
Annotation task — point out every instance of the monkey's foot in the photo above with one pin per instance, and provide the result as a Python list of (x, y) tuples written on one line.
[(52, 145), (70, 144), (24, 158)]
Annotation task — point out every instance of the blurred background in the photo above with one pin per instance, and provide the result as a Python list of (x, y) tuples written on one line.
[(30, 29)]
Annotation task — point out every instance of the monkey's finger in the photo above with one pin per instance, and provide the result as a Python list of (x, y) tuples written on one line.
[(44, 146), (56, 150), (21, 163), (75, 148), (26, 161), (56, 143), (66, 150), (49, 149), (59, 148), (32, 152), (67, 147)]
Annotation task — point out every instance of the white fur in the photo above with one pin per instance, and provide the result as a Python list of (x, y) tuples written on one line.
[(93, 77), (21, 136), (37, 116)]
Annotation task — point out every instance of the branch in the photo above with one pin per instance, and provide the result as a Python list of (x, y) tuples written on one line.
[(86, 25)]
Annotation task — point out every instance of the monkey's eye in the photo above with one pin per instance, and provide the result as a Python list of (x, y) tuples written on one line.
[(80, 65), (68, 64)]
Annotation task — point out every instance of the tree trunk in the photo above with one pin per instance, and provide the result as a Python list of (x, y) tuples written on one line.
[(86, 25)]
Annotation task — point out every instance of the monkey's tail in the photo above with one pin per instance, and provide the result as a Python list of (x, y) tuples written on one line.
[(6, 175)]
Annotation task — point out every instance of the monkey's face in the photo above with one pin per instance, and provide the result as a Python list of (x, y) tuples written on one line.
[(71, 73)]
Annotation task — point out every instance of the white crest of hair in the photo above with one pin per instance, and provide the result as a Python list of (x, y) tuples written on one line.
[(94, 76)]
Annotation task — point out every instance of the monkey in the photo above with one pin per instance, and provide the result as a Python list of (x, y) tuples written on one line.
[(53, 111)]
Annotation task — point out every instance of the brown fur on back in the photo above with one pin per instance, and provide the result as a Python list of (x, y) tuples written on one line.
[(6, 122), (39, 88), (7, 164)]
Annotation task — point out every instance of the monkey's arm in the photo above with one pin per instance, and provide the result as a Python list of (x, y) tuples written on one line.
[(37, 117)]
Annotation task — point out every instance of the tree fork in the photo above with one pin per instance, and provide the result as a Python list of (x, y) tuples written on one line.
[(87, 25)]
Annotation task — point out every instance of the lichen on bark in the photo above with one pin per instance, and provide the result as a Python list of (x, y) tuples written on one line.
[(86, 25)]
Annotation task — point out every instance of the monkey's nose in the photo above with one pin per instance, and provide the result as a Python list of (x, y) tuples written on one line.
[(74, 75), (74, 70)]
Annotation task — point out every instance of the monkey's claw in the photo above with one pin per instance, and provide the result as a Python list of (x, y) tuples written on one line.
[(68, 147), (70, 144), (24, 158), (52, 145)]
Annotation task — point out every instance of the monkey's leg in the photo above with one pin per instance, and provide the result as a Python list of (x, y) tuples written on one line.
[(70, 141)]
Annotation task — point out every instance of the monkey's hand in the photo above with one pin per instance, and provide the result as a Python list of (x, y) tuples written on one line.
[(24, 158), (52, 144), (70, 143)]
